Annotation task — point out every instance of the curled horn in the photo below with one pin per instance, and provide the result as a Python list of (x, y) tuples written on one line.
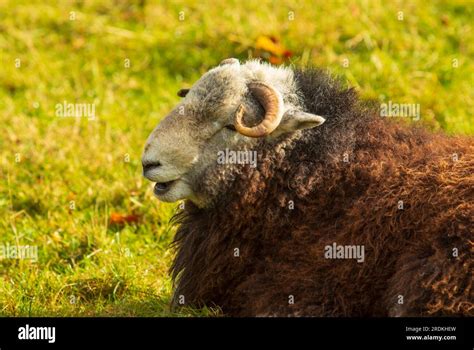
[(271, 102)]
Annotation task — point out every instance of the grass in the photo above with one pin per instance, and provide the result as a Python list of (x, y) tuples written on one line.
[(61, 179)]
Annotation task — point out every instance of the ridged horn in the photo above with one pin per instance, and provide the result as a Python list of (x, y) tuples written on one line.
[(271, 102)]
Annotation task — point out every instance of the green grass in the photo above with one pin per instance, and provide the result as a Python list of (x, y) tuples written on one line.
[(87, 267)]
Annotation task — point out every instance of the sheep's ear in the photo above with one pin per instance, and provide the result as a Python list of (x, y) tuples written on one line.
[(229, 61), (183, 92), (294, 120)]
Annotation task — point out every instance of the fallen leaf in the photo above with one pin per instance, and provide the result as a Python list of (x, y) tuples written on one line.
[(270, 48), (122, 219), (275, 60), (270, 45)]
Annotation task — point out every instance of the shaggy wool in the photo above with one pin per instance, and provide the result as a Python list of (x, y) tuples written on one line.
[(405, 194)]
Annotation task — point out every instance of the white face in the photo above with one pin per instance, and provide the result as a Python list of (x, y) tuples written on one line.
[(189, 139), (169, 155)]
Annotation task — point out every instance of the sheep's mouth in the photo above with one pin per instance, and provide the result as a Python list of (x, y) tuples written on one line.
[(162, 187)]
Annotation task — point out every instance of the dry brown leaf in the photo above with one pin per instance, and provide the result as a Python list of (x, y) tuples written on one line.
[(270, 48), (122, 219)]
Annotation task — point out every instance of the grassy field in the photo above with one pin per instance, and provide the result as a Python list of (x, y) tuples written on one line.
[(72, 187)]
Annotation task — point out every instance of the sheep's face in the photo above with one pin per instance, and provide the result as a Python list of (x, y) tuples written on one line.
[(230, 107)]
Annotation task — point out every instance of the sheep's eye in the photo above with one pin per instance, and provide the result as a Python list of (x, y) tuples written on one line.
[(230, 127)]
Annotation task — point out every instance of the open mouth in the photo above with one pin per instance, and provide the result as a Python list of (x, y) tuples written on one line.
[(162, 187)]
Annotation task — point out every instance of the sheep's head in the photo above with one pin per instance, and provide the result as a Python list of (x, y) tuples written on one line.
[(233, 106)]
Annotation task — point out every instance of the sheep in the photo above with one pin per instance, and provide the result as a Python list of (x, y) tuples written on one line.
[(345, 213)]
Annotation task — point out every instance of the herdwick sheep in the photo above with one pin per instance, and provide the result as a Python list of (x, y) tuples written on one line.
[(342, 213)]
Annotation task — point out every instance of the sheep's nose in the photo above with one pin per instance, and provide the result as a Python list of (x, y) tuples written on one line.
[(148, 166)]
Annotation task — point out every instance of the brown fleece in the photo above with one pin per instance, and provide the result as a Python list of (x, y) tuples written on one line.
[(411, 267)]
